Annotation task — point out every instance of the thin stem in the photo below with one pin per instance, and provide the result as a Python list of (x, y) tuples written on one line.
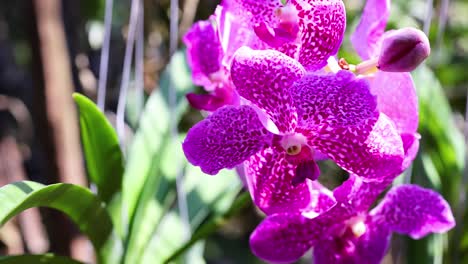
[(428, 19), (442, 23), (181, 195), (103, 65), (120, 119), (139, 64), (368, 66)]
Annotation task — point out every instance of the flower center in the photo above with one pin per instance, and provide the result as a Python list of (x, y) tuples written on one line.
[(293, 143), (294, 150), (357, 226), (359, 229)]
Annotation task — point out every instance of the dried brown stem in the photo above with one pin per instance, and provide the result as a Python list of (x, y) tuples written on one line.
[(57, 123)]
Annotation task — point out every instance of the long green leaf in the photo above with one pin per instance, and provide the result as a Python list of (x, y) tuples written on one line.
[(37, 259), (154, 131), (104, 160), (83, 207), (212, 224), (442, 140), (441, 158), (147, 189), (207, 197), (155, 226)]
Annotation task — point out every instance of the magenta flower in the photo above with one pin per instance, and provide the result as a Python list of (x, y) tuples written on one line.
[(308, 30), (347, 232), (314, 114), (205, 57)]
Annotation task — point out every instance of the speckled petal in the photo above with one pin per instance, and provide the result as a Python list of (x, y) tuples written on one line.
[(204, 52), (225, 139), (373, 150), (338, 99), (264, 78), (413, 210), (284, 238), (269, 177), (338, 113), (368, 35), (321, 200), (257, 11), (396, 97), (359, 195), (322, 25)]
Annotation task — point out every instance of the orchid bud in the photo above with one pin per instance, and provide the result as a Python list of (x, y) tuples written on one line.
[(403, 50)]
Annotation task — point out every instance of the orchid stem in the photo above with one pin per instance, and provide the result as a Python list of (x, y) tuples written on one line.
[(428, 19), (181, 195), (139, 64), (368, 66), (104, 62), (120, 119)]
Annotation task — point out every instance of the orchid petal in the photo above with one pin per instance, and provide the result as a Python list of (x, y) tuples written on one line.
[(284, 238), (372, 246), (322, 25), (411, 147), (372, 150), (396, 97), (225, 139), (204, 52), (413, 210), (234, 32), (359, 195), (210, 102), (264, 78), (367, 38), (269, 177), (349, 131), (369, 248), (332, 99), (321, 200), (257, 10)]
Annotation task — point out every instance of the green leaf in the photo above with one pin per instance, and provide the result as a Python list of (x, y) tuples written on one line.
[(442, 140), (154, 131), (104, 160), (207, 196), (156, 159), (441, 156), (148, 188), (37, 259), (212, 224), (83, 207)]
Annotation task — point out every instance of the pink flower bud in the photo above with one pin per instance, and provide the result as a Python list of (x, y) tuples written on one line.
[(403, 50)]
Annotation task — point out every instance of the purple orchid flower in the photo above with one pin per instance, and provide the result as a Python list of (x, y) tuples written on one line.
[(314, 114), (308, 30), (205, 57), (346, 232)]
